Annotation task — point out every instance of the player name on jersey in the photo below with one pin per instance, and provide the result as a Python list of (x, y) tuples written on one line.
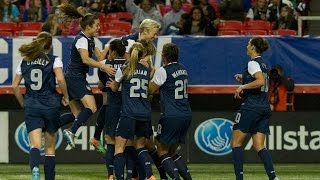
[(142, 72), (179, 72), (39, 61)]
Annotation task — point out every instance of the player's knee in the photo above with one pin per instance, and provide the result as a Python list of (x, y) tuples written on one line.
[(235, 143), (258, 146)]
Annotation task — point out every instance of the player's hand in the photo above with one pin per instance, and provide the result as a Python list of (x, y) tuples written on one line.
[(109, 69), (238, 92), (238, 77), (65, 101)]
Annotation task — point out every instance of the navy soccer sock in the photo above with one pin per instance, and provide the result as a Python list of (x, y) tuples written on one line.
[(131, 158), (110, 158), (237, 153), (144, 160), (82, 118), (65, 119), (156, 160), (182, 167), (49, 167), (34, 158), (267, 162), (169, 166), (119, 161), (100, 122)]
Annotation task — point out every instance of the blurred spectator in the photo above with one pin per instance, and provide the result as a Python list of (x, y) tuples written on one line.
[(48, 4), (36, 12), (55, 9), (279, 86), (207, 9), (177, 27), (8, 11), (232, 10), (52, 26), (172, 16), (303, 7), (114, 6), (258, 11), (274, 9), (287, 20), (198, 24), (146, 10)]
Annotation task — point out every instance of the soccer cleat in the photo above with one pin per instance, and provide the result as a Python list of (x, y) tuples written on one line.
[(276, 178), (151, 178), (69, 137), (35, 173), (98, 146)]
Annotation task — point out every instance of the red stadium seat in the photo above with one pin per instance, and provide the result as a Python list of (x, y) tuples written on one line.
[(284, 32), (126, 16), (230, 25), (257, 25), (228, 32), (255, 32), (32, 26), (28, 33), (162, 9), (119, 25), (5, 33), (8, 26)]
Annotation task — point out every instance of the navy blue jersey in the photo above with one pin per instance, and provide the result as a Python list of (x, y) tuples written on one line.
[(135, 103), (173, 82), (40, 82), (114, 98), (76, 67), (257, 97)]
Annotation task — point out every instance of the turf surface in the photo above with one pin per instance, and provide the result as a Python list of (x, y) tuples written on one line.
[(198, 171)]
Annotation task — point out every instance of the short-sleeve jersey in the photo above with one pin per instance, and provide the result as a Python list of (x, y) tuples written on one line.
[(76, 67), (257, 97), (173, 81), (114, 98), (40, 82), (135, 103)]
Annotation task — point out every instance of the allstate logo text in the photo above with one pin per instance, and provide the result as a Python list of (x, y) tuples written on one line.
[(213, 136), (22, 139)]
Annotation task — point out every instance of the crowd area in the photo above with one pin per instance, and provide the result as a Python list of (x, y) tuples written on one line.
[(177, 17)]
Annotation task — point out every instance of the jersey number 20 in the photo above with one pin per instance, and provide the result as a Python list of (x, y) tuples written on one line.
[(181, 89)]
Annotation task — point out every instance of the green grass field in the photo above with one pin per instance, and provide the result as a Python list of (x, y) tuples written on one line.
[(198, 171)]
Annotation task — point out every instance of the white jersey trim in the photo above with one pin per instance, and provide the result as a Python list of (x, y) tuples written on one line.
[(253, 67), (160, 76), (82, 43), (118, 77)]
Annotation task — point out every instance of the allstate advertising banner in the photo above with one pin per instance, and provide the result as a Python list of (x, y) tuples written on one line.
[(209, 60), (294, 137)]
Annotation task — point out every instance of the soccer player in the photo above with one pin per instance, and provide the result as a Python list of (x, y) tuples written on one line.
[(116, 49), (42, 102), (82, 102), (171, 80), (135, 118), (254, 114)]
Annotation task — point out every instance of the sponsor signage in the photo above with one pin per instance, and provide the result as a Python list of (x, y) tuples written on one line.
[(294, 137)]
